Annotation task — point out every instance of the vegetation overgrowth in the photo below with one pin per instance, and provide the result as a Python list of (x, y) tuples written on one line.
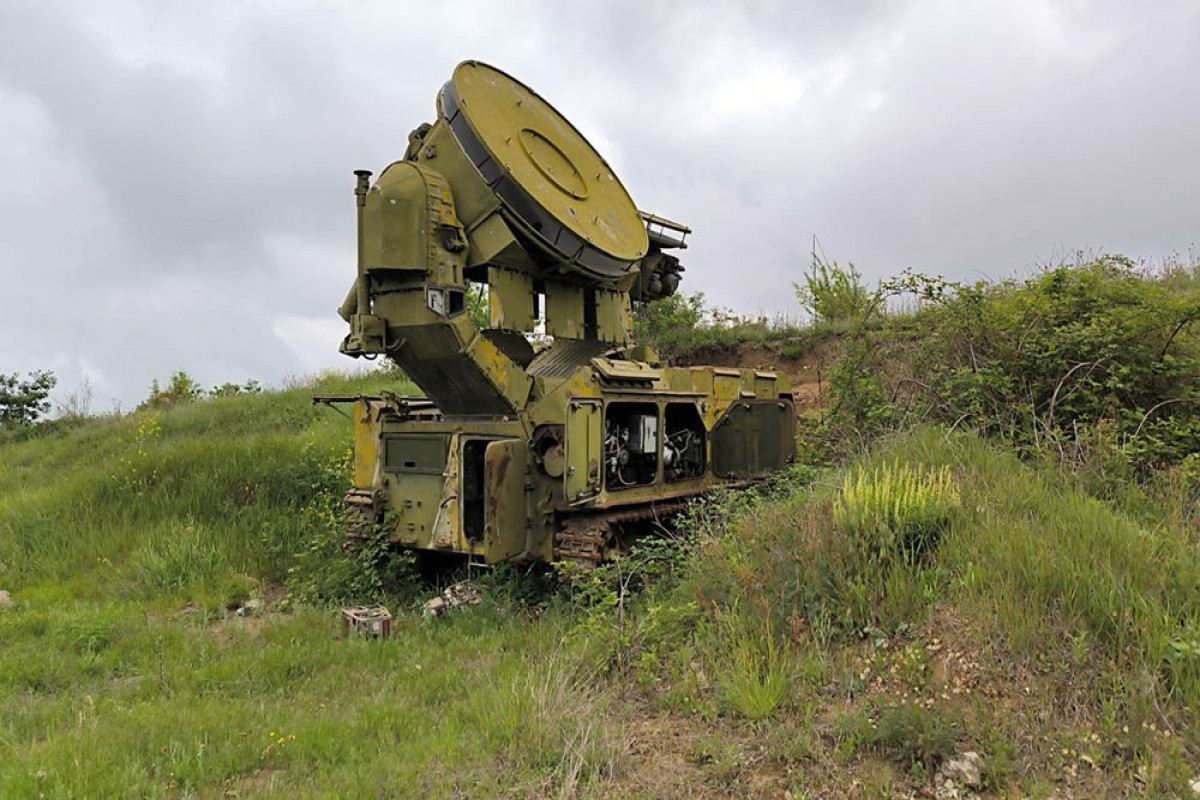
[(990, 543), (127, 543), (1064, 554)]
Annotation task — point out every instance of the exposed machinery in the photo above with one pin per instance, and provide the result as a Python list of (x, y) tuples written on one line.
[(517, 452)]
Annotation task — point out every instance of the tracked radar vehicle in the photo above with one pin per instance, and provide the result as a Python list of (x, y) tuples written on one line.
[(550, 434)]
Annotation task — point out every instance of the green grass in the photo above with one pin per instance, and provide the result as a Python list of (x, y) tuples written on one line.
[(126, 541), (122, 673), (1096, 611), (1028, 553), (143, 703)]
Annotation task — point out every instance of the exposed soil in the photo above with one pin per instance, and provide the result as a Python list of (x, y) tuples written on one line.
[(808, 374)]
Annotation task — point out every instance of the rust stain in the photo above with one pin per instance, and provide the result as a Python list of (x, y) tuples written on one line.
[(496, 466)]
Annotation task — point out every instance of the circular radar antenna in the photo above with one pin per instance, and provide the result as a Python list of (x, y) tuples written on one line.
[(553, 184)]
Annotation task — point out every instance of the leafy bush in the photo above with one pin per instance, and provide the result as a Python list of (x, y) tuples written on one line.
[(660, 319), (23, 402), (230, 389), (1040, 363), (326, 570), (681, 327), (832, 293), (181, 388), (791, 352), (478, 305)]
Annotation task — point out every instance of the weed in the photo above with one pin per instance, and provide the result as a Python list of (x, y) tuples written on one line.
[(755, 673), (791, 352), (853, 731), (880, 782), (720, 760), (793, 741), (912, 665), (918, 736), (1000, 754), (895, 510), (177, 558)]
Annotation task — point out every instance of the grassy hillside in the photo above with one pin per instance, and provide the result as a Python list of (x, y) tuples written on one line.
[(867, 627), (1022, 581), (122, 673)]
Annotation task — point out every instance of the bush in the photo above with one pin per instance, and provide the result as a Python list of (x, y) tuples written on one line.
[(680, 328), (23, 402), (325, 570), (1040, 363), (181, 388), (832, 293), (791, 352), (230, 389)]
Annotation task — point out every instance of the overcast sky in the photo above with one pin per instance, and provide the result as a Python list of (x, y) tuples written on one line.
[(177, 189)]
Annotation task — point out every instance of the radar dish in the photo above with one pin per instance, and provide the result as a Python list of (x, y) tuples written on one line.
[(551, 181)]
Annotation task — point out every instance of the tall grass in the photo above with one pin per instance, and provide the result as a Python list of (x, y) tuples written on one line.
[(895, 509), (1028, 560), (122, 673), (241, 467), (754, 679)]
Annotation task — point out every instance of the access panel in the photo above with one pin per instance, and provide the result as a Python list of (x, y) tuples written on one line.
[(754, 437), (582, 479), (505, 508)]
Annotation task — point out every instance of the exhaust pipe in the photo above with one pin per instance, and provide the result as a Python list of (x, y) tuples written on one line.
[(363, 299)]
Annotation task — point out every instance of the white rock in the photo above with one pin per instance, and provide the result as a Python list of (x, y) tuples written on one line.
[(965, 768), (1194, 783), (5, 599), (251, 607)]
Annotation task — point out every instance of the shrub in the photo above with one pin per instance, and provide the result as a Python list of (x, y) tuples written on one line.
[(479, 306), (791, 352), (658, 320), (681, 328), (181, 388), (1040, 363), (23, 402), (325, 570), (230, 389), (832, 293)]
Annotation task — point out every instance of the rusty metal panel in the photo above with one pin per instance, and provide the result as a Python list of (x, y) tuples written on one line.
[(727, 383), (766, 385), (447, 525), (505, 507), (583, 446)]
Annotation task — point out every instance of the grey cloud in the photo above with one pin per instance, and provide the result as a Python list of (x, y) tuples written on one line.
[(179, 173)]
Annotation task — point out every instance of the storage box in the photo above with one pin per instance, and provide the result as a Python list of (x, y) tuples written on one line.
[(372, 621)]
